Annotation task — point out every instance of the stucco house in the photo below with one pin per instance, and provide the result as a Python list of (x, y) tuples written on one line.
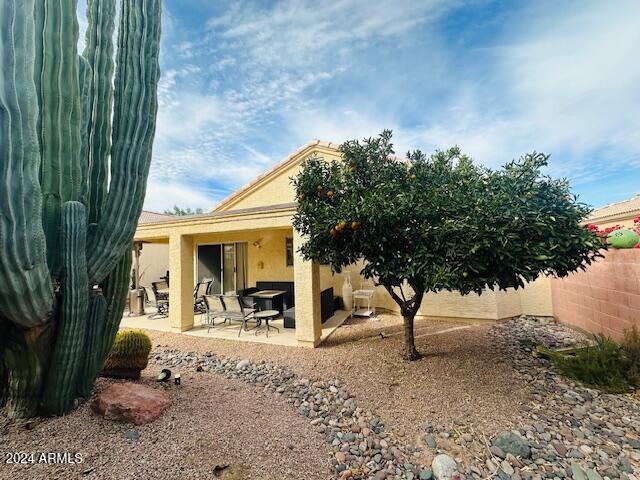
[(248, 240), (619, 213)]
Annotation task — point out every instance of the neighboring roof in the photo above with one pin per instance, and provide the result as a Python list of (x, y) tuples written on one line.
[(618, 210), (281, 165), (151, 217), (228, 213)]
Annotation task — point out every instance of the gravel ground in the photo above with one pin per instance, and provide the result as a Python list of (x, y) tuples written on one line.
[(479, 405), (214, 421), (464, 377)]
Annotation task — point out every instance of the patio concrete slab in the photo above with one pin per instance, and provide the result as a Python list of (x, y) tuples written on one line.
[(285, 337)]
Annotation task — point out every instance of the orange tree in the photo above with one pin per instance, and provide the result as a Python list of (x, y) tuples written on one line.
[(431, 223)]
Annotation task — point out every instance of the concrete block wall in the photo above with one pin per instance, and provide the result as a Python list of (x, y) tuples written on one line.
[(603, 299)]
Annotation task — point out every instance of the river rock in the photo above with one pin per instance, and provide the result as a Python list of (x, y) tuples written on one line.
[(130, 402), (513, 443), (443, 467)]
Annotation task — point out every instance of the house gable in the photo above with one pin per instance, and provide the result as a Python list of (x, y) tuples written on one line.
[(274, 186)]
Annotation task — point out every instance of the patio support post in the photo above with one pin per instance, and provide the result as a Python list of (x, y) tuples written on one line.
[(307, 297), (181, 274)]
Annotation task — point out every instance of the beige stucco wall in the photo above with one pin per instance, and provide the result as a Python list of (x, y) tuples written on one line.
[(489, 306), (154, 262), (266, 262), (508, 303), (535, 298), (276, 189), (326, 279)]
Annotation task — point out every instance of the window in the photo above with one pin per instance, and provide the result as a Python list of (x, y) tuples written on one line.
[(289, 247)]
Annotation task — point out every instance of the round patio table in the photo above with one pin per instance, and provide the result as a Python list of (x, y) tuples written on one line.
[(266, 315)]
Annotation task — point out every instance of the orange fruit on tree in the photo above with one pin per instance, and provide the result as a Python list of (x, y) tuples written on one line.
[(355, 225)]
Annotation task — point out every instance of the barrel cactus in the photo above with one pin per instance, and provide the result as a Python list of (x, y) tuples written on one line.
[(129, 355), (75, 150)]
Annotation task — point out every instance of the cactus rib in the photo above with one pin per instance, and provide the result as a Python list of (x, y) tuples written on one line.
[(86, 79), (26, 295), (136, 104), (66, 362), (59, 98), (99, 53), (116, 288), (93, 343)]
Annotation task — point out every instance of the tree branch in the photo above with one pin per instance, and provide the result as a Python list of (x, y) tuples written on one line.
[(417, 301), (395, 297), (402, 293)]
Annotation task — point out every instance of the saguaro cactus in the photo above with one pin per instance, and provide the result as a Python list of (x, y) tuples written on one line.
[(66, 225)]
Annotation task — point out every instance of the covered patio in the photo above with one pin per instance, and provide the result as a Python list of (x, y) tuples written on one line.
[(250, 250)]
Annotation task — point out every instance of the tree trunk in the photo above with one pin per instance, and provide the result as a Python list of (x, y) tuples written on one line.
[(408, 308), (410, 351)]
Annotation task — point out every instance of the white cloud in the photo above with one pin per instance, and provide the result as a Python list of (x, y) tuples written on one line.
[(261, 80), (256, 68), (302, 31), (574, 76), (334, 125), (163, 195), (562, 84)]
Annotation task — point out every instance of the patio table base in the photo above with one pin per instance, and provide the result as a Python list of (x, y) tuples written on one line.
[(265, 315)]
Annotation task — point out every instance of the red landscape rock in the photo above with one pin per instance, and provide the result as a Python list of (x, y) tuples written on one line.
[(131, 402)]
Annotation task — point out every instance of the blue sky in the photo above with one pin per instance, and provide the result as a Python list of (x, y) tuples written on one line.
[(245, 83)]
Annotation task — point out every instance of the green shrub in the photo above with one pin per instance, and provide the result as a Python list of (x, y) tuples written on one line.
[(605, 365), (631, 345), (129, 354)]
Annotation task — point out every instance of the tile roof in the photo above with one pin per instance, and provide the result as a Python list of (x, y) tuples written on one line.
[(151, 217), (623, 209)]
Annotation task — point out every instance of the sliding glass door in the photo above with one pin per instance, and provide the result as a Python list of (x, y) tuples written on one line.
[(224, 264), (210, 266), (229, 268), (241, 266)]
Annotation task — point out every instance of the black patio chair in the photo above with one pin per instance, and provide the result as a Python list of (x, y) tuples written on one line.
[(160, 290), (161, 304), (245, 298), (199, 292)]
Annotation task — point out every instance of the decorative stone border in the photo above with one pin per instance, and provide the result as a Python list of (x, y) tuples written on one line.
[(567, 430), (361, 447)]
